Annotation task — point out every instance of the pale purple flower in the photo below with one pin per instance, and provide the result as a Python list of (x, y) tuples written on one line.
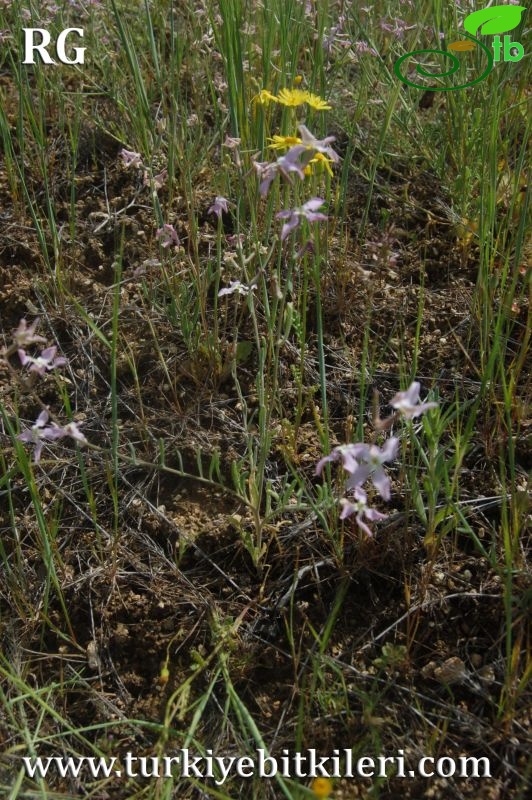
[(130, 158), (236, 240), (158, 180), (296, 159), (293, 217), (219, 207), (38, 433), (71, 429), (398, 27), (261, 167), (236, 286), (46, 361), (361, 509), (291, 161), (267, 173), (232, 142), (407, 403), (362, 48), (167, 235), (25, 335), (335, 37), (372, 459), (364, 461), (309, 142), (285, 165), (348, 453)]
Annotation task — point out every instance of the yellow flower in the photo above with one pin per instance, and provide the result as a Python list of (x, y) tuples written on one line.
[(296, 97), (316, 102), (264, 97), (298, 79), (323, 162), (322, 787), (282, 142), (292, 97)]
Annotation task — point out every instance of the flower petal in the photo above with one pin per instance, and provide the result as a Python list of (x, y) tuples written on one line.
[(358, 476), (381, 482), (42, 419), (326, 460), (313, 204)]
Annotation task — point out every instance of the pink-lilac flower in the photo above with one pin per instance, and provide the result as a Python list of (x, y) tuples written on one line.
[(25, 335), (295, 160), (285, 165), (39, 432), (236, 286), (372, 459), (130, 158), (46, 361), (309, 142), (219, 207), (292, 161), (348, 453), (407, 403), (364, 461), (158, 180), (362, 48), (232, 142), (167, 235), (361, 509), (293, 217), (335, 36), (267, 172), (236, 240), (72, 429), (397, 28)]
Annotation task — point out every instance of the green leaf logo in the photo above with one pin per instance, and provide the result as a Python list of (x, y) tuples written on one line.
[(496, 19)]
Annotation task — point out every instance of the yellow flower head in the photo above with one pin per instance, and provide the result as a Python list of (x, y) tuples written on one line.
[(296, 97), (323, 162), (292, 97), (283, 142), (316, 102), (264, 97), (322, 788)]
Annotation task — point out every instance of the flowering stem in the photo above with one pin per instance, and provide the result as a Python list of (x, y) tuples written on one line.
[(303, 338), (321, 352), (217, 278)]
